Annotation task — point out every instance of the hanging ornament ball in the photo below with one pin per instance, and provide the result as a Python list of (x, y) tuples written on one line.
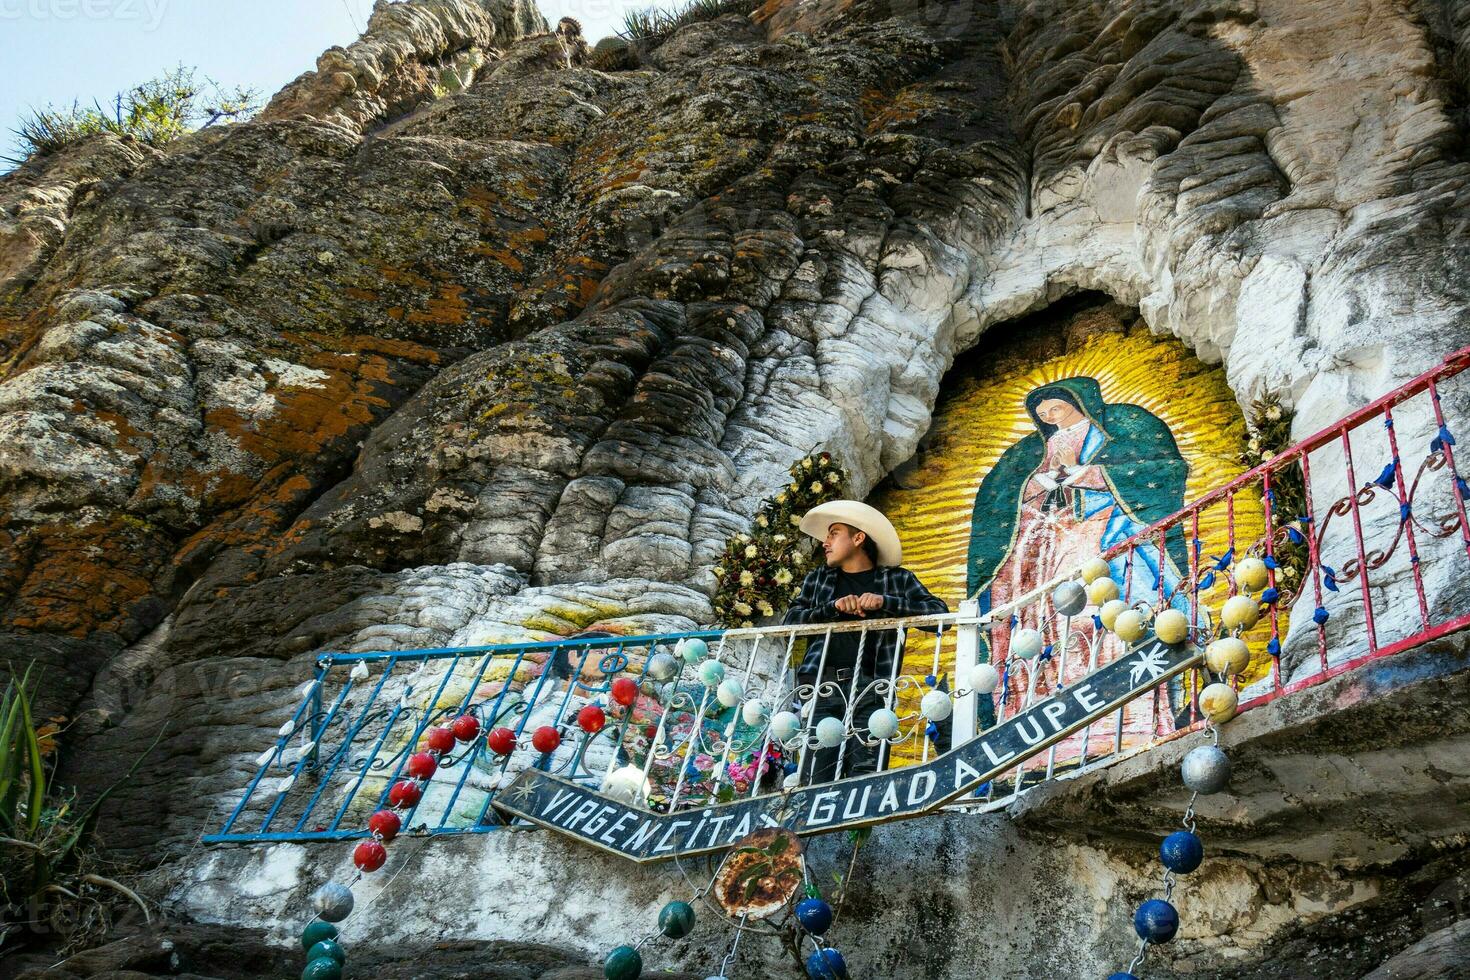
[(754, 713), (1026, 643), (1205, 769), (333, 902), (1069, 598), (983, 679), (1130, 626), (625, 784), (826, 964), (1181, 852), (1171, 626), (405, 793), (386, 824), (369, 855), (711, 673), (591, 719), (662, 667), (1094, 569), (691, 650), (329, 948), (1250, 574), (730, 692), (466, 728), (883, 723), (1110, 612), (322, 968), (1227, 655), (1218, 702), (1102, 590), (545, 739), (785, 725), (318, 930), (1156, 921), (421, 765), (814, 915), (501, 741), (624, 691), (936, 706), (676, 920), (1122, 976), (830, 732), (623, 963), (439, 739), (1240, 612)]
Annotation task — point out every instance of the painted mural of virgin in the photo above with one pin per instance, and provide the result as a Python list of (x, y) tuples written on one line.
[(1089, 477)]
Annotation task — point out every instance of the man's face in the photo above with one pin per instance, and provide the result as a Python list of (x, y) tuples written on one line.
[(841, 543)]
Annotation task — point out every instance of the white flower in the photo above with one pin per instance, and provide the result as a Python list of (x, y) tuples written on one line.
[(751, 551), (766, 610), (747, 624), (817, 487), (746, 578), (1266, 457), (795, 520), (719, 571), (742, 537), (783, 576), (778, 538), (806, 464), (742, 609), (781, 498), (762, 520), (1273, 413)]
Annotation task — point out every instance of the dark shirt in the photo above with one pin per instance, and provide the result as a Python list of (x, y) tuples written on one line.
[(843, 651), (903, 595)]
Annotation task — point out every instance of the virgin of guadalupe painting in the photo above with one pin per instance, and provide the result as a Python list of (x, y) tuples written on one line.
[(1089, 477)]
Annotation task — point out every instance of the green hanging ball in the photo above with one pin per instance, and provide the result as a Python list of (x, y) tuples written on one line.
[(623, 963), (315, 932), (328, 948), (676, 920), (322, 968)]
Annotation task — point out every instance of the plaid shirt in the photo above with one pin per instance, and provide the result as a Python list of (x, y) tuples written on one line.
[(903, 595)]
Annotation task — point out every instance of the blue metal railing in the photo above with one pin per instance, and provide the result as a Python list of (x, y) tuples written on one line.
[(354, 739)]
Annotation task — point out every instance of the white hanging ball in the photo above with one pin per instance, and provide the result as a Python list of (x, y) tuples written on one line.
[(332, 901), (730, 692), (1069, 598), (785, 725), (1094, 569), (712, 672), (691, 649), (984, 679), (1240, 612), (1102, 590), (1027, 643), (625, 784), (1218, 702), (883, 723), (1110, 612), (662, 667), (1227, 655), (1130, 626), (754, 713), (936, 706), (830, 732), (1251, 574), (1205, 770), (791, 780), (1171, 626)]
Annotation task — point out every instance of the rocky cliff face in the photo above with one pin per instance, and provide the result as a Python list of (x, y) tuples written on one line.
[(461, 341)]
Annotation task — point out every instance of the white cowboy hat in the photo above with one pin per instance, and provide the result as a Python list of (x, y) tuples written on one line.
[(855, 513)]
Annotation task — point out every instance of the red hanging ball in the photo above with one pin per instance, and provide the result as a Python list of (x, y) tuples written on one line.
[(421, 765), (386, 824), (369, 855), (405, 794), (439, 739), (502, 741), (624, 690), (466, 728), (591, 719), (546, 739)]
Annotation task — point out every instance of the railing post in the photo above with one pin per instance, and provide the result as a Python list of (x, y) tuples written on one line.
[(966, 656)]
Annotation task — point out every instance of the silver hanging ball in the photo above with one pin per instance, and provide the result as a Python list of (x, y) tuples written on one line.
[(333, 902), (1070, 598), (1206, 769), (662, 667)]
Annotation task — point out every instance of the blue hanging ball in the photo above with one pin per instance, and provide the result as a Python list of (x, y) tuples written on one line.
[(328, 948), (826, 964), (1122, 976), (1156, 921), (814, 915), (623, 963), (322, 968), (1181, 852), (676, 920)]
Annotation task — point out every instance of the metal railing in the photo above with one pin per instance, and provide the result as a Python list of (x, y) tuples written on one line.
[(687, 719)]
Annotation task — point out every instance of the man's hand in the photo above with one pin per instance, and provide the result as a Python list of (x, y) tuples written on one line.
[(859, 605)]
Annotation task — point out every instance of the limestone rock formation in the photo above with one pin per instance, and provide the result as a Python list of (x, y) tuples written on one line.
[(464, 340)]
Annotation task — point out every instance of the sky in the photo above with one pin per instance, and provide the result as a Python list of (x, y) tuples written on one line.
[(53, 52)]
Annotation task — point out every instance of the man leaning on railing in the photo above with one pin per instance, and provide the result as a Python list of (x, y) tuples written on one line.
[(862, 576)]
